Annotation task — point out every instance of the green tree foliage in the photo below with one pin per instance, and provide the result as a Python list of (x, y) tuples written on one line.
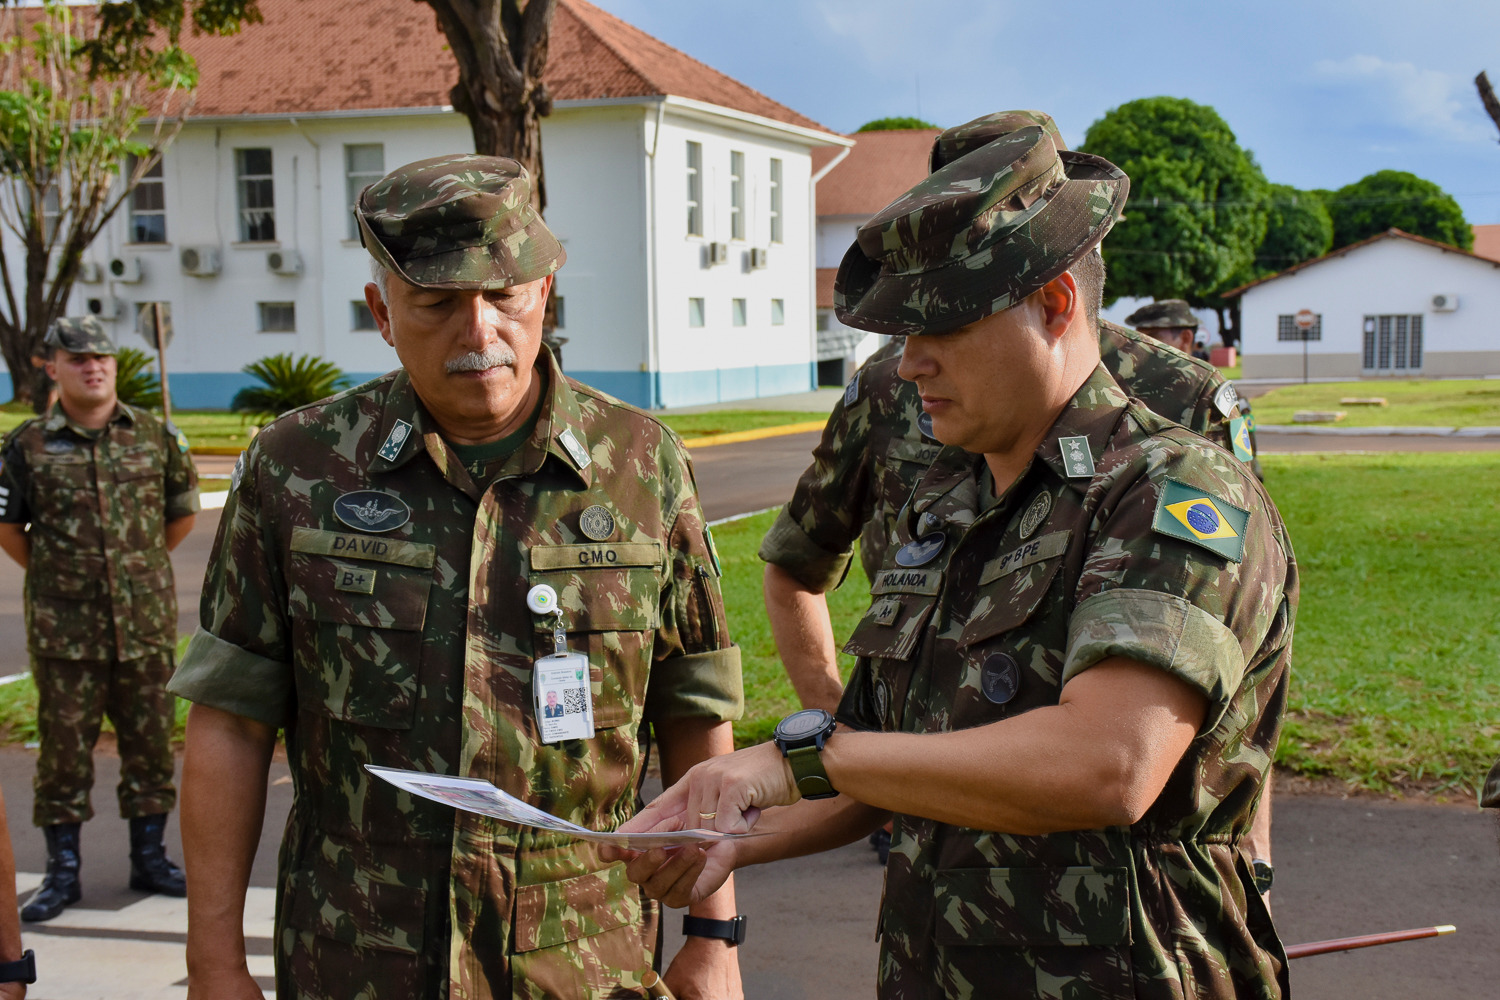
[(135, 383), (1197, 208), (76, 88), (892, 124), (1298, 228), (1396, 199), (286, 383)]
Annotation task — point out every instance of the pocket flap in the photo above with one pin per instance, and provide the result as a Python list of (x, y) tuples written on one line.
[(351, 545), (1012, 585), (343, 593), (358, 911), (921, 452), (891, 627), (553, 913), (606, 598), (1033, 907)]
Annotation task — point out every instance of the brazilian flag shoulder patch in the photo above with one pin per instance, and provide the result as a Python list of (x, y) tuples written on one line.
[(1239, 437), (1197, 516)]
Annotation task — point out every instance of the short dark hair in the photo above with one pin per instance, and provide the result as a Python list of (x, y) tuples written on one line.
[(1088, 273)]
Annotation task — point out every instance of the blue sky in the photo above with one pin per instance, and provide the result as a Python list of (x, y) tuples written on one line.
[(1322, 92)]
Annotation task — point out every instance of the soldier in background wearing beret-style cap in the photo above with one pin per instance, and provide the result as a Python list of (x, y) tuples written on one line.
[(371, 595), (1070, 679), (93, 495)]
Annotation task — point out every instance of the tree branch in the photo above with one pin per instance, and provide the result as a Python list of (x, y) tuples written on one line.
[(1487, 97)]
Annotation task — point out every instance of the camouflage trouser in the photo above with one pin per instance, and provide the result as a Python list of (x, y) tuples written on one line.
[(73, 696)]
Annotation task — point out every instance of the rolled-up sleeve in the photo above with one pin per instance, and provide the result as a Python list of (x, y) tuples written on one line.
[(239, 660)]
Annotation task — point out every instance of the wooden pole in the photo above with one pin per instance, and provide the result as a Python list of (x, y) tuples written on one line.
[(1366, 941), (161, 361)]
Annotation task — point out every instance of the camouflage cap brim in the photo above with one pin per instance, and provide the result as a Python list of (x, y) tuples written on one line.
[(79, 335), (871, 295), (1168, 314), (531, 255)]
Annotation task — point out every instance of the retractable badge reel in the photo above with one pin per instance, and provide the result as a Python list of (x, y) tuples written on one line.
[(560, 682)]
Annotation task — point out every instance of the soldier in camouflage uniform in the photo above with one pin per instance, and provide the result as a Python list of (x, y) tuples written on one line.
[(878, 443), (368, 596), (1071, 677), (107, 490)]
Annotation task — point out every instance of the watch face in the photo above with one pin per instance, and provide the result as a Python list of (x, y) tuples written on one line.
[(800, 725)]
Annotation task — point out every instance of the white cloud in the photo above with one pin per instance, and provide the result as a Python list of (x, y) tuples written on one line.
[(891, 38), (1426, 101)]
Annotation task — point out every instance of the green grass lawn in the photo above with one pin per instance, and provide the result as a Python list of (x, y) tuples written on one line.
[(692, 425), (1414, 403), (204, 428)]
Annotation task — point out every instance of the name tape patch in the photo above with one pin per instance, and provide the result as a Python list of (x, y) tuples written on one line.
[(314, 541), (1047, 546), (354, 579), (594, 556), (908, 581)]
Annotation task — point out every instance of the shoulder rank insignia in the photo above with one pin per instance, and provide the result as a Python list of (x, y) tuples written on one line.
[(1239, 437), (1227, 399), (851, 391), (1197, 516), (579, 454), (1077, 459), (394, 440)]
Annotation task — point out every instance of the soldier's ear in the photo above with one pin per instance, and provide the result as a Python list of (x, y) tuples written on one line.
[(380, 311)]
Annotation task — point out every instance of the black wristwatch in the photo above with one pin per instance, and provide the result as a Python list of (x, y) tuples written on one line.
[(732, 931), (1264, 875), (22, 970), (801, 736)]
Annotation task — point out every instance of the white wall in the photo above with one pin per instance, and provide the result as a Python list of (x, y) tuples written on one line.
[(1390, 276), (835, 236), (735, 353)]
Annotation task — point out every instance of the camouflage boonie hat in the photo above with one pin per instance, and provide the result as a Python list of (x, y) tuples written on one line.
[(80, 335), (977, 236), (962, 139), (1168, 314), (459, 221)]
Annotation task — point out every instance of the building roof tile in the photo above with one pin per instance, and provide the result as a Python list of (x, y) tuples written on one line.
[(880, 167), (378, 55), (1389, 234)]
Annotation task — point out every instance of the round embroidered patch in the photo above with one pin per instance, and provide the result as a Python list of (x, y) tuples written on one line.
[(1035, 514), (596, 523)]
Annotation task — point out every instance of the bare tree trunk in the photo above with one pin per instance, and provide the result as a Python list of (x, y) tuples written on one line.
[(501, 49), (1487, 97)]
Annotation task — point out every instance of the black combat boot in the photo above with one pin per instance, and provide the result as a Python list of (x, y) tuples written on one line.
[(150, 868), (61, 888)]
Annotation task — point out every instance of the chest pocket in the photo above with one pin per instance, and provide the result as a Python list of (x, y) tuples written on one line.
[(358, 604), (69, 471), (1012, 584), (918, 452), (138, 462), (610, 597)]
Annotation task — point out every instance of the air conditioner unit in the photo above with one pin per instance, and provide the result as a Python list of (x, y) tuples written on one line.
[(718, 253), (90, 273), (126, 269), (104, 306), (758, 258), (288, 262), (1444, 303), (201, 262)]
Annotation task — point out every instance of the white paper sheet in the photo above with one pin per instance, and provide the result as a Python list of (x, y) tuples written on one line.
[(476, 795)]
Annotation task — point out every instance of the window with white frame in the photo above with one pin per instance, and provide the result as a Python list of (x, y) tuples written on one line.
[(736, 195), (695, 312), (257, 196), (695, 188), (775, 201), (360, 316), (738, 312), (1287, 329), (148, 205), (277, 317), (1392, 343), (778, 312), (364, 164)]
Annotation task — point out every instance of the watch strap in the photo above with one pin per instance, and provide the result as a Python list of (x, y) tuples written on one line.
[(732, 931), (22, 970), (807, 770)]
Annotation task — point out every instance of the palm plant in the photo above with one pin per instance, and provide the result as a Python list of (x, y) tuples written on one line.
[(135, 383), (287, 383)]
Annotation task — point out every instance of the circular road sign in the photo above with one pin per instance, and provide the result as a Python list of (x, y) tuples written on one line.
[(1305, 319)]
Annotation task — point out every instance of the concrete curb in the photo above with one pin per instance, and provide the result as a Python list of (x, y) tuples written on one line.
[(760, 433), (1471, 432)]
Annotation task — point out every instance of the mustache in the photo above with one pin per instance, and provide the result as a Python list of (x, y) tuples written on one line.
[(478, 361)]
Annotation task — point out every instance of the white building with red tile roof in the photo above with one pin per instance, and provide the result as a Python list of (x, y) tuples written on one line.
[(685, 200), (853, 185), (1390, 305)]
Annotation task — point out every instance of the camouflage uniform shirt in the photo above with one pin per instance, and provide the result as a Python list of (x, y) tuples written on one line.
[(408, 643), (878, 443), (99, 585), (1002, 603)]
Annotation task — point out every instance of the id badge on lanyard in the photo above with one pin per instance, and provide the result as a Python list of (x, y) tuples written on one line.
[(561, 689)]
